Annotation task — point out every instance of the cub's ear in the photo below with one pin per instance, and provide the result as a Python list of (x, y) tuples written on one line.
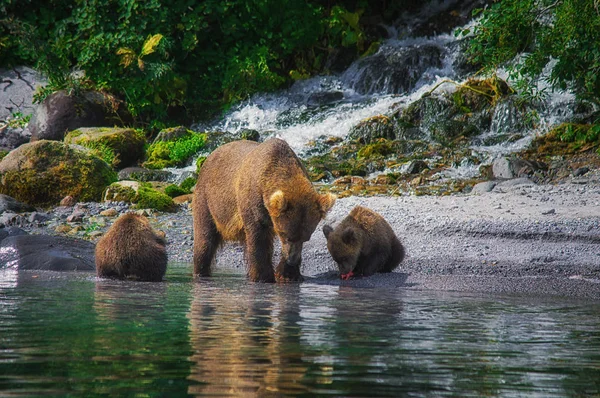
[(277, 203), (348, 236), (327, 230), (326, 202)]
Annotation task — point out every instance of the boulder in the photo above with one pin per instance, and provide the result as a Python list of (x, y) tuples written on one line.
[(10, 204), (144, 175), (126, 144), (47, 253), (44, 172), (506, 167), (373, 128), (10, 231), (61, 112), (483, 187)]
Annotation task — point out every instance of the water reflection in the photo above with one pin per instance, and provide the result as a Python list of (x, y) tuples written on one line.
[(247, 344), (72, 334)]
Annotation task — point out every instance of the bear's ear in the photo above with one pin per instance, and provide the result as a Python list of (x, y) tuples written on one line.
[(277, 203), (327, 230), (326, 202), (348, 236)]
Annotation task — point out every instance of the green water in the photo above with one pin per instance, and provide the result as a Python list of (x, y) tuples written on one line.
[(73, 335)]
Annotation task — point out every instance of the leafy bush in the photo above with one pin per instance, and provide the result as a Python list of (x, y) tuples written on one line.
[(563, 36), (179, 57), (174, 153)]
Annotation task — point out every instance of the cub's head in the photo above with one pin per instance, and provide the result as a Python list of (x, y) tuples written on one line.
[(344, 246), (295, 217)]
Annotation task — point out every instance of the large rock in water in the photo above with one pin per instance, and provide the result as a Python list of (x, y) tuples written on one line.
[(48, 253), (127, 144), (60, 113), (44, 172)]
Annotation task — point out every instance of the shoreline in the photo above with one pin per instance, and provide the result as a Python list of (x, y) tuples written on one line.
[(518, 239)]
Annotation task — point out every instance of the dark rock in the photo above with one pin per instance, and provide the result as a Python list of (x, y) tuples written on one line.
[(38, 218), (61, 113), (482, 187), (68, 201), (369, 130), (416, 166), (8, 203), (171, 134), (11, 231), (249, 134), (581, 171), (392, 70), (48, 253), (76, 216), (144, 175), (11, 138), (339, 59), (324, 98), (8, 218)]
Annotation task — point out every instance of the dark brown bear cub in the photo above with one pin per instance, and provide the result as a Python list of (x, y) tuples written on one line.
[(251, 192), (363, 244), (131, 249)]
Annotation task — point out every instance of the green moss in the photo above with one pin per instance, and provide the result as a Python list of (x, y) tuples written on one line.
[(119, 193), (199, 162), (3, 154), (188, 184), (49, 170), (174, 153), (175, 190), (148, 198), (116, 146), (568, 138), (380, 148)]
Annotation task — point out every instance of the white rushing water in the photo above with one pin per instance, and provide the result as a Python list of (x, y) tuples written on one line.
[(399, 73)]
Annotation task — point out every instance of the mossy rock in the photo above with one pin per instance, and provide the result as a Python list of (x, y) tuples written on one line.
[(176, 152), (142, 195), (124, 145), (369, 130), (43, 172)]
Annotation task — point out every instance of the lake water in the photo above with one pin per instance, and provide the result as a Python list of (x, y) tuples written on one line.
[(70, 334)]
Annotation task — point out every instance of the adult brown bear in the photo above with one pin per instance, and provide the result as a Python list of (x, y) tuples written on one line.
[(363, 244), (131, 249), (250, 192)]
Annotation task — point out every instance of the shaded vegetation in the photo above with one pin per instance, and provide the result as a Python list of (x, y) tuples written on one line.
[(182, 59)]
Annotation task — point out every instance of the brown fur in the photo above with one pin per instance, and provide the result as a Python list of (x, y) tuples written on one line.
[(364, 243), (131, 249), (251, 192)]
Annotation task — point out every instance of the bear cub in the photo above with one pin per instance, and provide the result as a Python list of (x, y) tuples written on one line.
[(131, 249), (363, 244)]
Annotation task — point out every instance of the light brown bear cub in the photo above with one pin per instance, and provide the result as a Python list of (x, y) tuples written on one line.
[(363, 244), (131, 249), (251, 192)]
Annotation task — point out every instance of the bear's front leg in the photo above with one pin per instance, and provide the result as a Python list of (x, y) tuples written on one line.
[(259, 255), (288, 269)]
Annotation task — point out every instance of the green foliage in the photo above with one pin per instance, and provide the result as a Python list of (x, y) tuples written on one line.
[(199, 162), (174, 153), (148, 198), (192, 57), (188, 184), (18, 120), (175, 190), (561, 35), (103, 151)]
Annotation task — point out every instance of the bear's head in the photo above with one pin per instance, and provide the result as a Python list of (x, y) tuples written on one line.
[(344, 246), (295, 218)]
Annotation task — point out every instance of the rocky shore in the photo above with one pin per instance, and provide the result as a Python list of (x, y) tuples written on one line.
[(519, 238)]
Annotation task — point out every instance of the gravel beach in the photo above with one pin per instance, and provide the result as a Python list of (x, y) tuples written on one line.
[(519, 238)]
